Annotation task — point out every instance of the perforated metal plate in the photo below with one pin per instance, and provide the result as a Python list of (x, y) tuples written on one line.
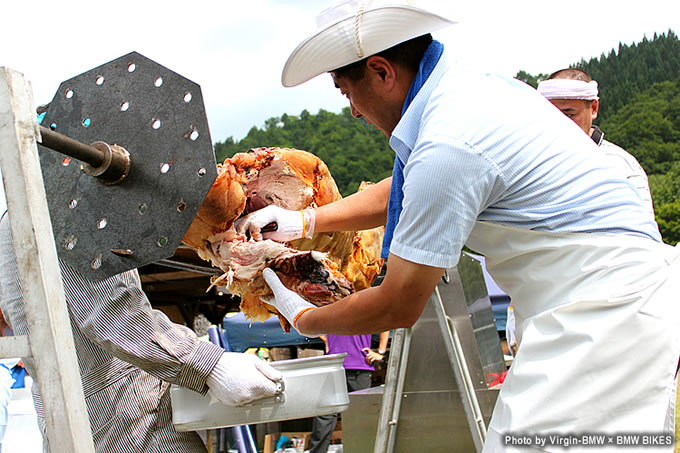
[(159, 117)]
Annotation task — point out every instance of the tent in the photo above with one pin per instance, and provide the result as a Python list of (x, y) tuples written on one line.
[(242, 334)]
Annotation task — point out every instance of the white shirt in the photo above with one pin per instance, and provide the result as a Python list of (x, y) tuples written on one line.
[(481, 147), (623, 161)]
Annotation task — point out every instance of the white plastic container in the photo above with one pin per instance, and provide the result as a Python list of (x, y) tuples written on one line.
[(311, 386)]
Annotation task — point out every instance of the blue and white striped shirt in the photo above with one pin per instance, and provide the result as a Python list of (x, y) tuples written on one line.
[(128, 354), (482, 147)]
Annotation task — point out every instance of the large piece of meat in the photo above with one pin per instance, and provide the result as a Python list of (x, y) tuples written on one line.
[(322, 270)]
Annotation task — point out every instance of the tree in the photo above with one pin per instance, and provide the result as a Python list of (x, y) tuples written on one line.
[(632, 69), (530, 79), (649, 127), (668, 218)]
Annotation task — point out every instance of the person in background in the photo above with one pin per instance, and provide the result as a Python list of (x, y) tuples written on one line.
[(358, 370), (486, 162), (510, 336), (129, 354), (576, 95), (6, 382)]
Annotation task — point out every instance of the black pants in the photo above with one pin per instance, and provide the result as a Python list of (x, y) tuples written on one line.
[(323, 425)]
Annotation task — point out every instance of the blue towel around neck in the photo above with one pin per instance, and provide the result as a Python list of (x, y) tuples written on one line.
[(394, 206)]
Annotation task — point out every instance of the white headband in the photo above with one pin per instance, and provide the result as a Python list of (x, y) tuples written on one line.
[(568, 89)]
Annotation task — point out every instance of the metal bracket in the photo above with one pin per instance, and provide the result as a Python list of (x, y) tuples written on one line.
[(158, 116)]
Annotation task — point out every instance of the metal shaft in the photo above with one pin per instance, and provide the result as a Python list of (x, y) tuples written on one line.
[(70, 147), (110, 163)]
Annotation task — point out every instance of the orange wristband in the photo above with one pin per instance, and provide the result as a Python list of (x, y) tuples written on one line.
[(304, 231), (300, 314)]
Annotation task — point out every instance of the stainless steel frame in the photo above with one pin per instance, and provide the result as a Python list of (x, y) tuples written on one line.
[(441, 402)]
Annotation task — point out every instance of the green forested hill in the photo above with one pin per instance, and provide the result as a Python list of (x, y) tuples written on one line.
[(623, 74), (639, 111), (648, 127)]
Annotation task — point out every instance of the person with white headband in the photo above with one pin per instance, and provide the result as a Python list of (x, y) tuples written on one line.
[(485, 161), (576, 95)]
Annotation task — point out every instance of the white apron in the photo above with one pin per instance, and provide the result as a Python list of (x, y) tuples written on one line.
[(597, 323)]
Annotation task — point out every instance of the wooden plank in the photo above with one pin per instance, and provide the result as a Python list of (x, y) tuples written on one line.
[(268, 444), (53, 350), (16, 346)]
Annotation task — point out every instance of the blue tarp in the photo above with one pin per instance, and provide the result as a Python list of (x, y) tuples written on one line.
[(243, 334)]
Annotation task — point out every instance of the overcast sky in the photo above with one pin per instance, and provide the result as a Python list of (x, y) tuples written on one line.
[(235, 50)]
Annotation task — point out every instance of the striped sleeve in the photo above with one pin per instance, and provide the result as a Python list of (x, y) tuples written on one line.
[(115, 314)]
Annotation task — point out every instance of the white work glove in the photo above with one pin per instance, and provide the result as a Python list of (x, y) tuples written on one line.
[(289, 304), (239, 378), (290, 224)]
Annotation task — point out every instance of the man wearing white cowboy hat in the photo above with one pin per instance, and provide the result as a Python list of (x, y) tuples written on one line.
[(487, 162)]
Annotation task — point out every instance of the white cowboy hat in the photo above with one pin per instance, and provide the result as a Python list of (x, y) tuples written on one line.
[(352, 30)]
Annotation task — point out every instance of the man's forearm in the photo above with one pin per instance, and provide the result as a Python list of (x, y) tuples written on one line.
[(384, 338), (397, 302), (361, 313), (360, 211)]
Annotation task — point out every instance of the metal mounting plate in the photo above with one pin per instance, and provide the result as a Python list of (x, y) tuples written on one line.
[(159, 117)]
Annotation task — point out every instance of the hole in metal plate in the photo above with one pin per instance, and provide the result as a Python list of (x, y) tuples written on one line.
[(71, 242)]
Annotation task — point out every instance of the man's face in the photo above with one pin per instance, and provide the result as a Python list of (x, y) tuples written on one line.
[(367, 102), (579, 111)]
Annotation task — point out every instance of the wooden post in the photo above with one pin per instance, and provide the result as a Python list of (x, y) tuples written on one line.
[(51, 339)]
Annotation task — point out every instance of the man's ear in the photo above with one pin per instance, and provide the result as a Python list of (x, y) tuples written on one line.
[(383, 69), (594, 108)]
